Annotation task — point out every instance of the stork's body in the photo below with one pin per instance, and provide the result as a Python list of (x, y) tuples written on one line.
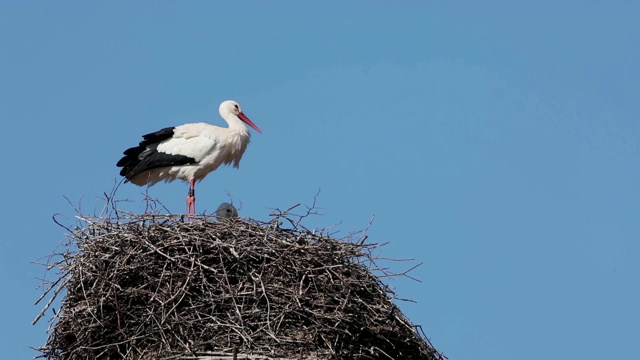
[(188, 152)]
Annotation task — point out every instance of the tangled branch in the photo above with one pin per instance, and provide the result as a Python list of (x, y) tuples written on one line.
[(151, 286)]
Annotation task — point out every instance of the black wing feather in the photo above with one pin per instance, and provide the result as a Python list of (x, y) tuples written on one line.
[(146, 156)]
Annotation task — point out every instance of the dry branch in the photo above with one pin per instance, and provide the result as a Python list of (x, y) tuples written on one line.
[(153, 287)]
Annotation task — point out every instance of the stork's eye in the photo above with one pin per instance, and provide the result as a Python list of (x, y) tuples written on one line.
[(236, 106)]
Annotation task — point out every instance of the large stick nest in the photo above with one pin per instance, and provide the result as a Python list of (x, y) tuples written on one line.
[(156, 287)]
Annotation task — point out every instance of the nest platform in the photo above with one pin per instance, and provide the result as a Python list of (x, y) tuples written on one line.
[(154, 286)]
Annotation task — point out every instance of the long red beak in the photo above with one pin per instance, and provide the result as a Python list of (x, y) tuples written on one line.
[(244, 118)]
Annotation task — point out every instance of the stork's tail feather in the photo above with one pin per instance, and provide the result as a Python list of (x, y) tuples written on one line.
[(145, 156), (135, 155)]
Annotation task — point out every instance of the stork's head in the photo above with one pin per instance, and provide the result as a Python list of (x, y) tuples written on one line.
[(231, 107), (226, 211)]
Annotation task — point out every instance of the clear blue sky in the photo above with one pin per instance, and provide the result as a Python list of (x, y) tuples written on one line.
[(496, 143)]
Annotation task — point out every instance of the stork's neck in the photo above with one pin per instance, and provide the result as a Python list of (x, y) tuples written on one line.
[(235, 124)]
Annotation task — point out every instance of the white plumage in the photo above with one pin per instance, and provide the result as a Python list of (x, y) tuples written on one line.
[(188, 152)]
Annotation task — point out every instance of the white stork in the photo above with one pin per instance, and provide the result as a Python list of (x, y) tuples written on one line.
[(188, 152)]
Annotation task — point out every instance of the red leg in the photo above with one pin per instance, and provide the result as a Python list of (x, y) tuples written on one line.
[(191, 199)]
